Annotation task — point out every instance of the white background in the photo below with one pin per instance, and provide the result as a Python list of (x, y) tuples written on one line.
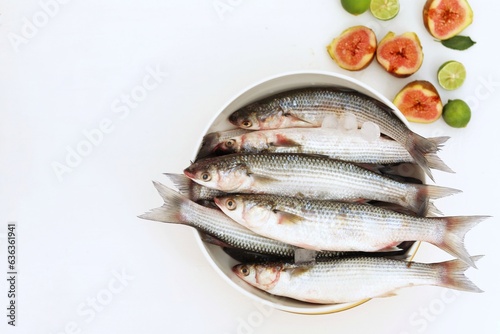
[(77, 228)]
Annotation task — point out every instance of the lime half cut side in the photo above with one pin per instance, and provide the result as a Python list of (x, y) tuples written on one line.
[(451, 75), (384, 9)]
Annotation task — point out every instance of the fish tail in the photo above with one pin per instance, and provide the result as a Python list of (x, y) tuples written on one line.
[(436, 192), (439, 141), (435, 162), (432, 211), (181, 182), (455, 230), (451, 275), (170, 211), (420, 148), (426, 192)]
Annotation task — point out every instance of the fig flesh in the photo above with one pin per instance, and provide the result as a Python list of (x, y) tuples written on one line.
[(444, 19), (419, 102), (354, 49), (400, 55)]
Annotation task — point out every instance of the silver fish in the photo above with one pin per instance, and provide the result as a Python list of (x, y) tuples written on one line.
[(342, 145), (352, 279), (308, 107), (310, 176), (338, 226)]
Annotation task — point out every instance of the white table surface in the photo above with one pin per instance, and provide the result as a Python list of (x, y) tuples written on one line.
[(151, 75)]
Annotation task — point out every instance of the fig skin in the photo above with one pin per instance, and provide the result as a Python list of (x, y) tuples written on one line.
[(430, 6), (343, 41), (433, 104), (400, 71)]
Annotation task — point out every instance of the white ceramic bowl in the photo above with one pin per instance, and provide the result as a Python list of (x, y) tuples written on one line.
[(221, 262)]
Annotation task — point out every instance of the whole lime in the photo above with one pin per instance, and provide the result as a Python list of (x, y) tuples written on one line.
[(355, 7), (456, 113)]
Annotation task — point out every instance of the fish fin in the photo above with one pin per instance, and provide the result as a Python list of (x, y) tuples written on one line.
[(300, 270), (455, 230), (436, 192), (451, 274), (428, 192), (288, 218), (169, 212), (419, 147), (435, 162), (295, 118), (181, 182), (432, 211), (297, 269), (439, 141), (262, 179), (208, 238), (283, 141)]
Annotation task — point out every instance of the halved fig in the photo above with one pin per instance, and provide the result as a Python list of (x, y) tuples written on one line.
[(354, 48), (400, 55), (444, 19), (419, 102)]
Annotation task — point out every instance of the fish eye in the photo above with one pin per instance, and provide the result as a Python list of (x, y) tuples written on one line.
[(231, 204), (246, 123), (230, 143), (206, 176), (245, 271)]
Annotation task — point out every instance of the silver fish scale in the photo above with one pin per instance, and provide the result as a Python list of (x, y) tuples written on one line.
[(322, 178), (382, 269), (355, 279), (199, 192), (224, 228), (335, 144), (360, 225), (313, 104)]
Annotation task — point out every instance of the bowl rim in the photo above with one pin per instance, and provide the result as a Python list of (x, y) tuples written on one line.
[(316, 309)]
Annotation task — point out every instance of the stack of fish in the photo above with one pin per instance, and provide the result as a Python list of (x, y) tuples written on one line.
[(317, 169)]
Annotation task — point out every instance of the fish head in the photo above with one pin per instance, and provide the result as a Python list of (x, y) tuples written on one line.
[(231, 145), (259, 116), (262, 276), (245, 118), (219, 174), (248, 210)]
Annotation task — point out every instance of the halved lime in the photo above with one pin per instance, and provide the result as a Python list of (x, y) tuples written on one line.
[(355, 7), (456, 113), (384, 9), (451, 75)]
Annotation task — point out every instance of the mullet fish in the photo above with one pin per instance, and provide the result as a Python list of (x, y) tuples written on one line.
[(353, 279), (311, 176), (308, 107), (337, 226), (336, 144)]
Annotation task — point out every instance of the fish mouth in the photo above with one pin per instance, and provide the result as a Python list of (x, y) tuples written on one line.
[(189, 174), (233, 118), (218, 201), (235, 269)]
